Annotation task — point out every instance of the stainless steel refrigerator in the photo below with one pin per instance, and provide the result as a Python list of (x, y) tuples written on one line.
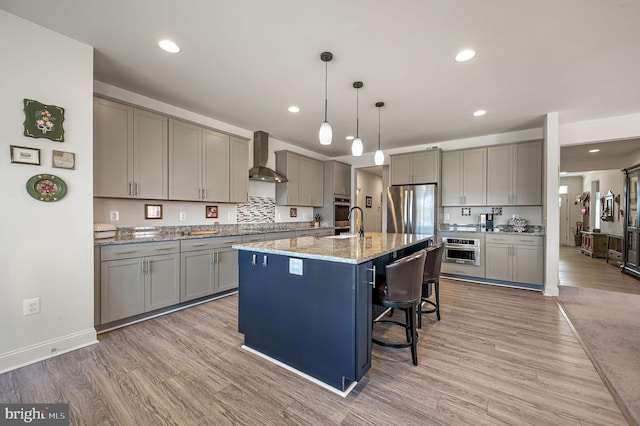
[(411, 209)]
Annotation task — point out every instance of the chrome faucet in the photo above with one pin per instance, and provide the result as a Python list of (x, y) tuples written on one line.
[(361, 233)]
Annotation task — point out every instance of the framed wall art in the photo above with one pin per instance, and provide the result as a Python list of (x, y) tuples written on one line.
[(153, 211), (43, 121), (211, 212), (63, 160), (25, 155)]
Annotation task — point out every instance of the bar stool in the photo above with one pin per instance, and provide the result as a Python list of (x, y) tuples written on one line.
[(401, 289), (431, 282)]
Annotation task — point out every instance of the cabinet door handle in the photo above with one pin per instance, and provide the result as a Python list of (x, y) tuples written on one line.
[(204, 193), (124, 252), (149, 267), (253, 260), (163, 248), (373, 276), (129, 190), (199, 245), (264, 261), (136, 186), (217, 257)]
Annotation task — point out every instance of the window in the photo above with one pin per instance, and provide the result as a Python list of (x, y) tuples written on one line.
[(563, 189)]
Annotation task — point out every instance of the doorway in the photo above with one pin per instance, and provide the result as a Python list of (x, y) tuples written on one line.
[(369, 188)]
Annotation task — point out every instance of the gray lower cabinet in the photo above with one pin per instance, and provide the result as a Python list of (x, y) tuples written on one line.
[(515, 258), (138, 278), (208, 266)]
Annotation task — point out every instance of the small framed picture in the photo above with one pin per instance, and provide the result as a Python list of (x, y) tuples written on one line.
[(293, 212), (63, 160), (211, 212), (368, 202), (153, 211), (25, 155)]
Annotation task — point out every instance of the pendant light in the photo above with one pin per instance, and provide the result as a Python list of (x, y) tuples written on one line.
[(378, 159), (356, 146), (326, 133)]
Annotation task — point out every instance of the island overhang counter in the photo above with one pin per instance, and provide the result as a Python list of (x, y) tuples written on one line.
[(305, 303)]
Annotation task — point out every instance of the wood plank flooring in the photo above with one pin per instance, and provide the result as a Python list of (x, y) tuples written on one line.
[(500, 356), (579, 270)]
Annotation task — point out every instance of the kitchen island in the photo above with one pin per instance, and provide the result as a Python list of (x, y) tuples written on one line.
[(305, 303)]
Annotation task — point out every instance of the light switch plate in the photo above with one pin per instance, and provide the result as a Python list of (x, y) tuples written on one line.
[(295, 266)]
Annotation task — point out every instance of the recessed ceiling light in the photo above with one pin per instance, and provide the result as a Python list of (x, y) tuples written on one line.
[(169, 46), (594, 150), (350, 138), (293, 108), (479, 113), (465, 55)]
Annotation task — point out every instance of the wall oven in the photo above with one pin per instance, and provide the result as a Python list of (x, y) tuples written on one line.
[(464, 251), (341, 207)]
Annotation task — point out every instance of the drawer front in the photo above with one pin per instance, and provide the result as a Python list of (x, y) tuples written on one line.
[(128, 251), (531, 240), (208, 243)]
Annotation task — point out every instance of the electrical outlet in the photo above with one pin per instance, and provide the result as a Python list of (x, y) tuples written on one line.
[(115, 215), (31, 306), (183, 216)]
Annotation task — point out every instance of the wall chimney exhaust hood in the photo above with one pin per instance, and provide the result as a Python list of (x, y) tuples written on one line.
[(260, 171)]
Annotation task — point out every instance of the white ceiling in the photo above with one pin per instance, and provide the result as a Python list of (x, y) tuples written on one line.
[(244, 62)]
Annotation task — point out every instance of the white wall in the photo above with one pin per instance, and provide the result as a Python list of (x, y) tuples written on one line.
[(47, 248), (610, 180)]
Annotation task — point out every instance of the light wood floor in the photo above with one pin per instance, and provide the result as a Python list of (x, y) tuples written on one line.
[(499, 356), (579, 270)]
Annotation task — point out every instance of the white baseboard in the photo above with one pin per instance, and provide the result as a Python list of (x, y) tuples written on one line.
[(45, 350)]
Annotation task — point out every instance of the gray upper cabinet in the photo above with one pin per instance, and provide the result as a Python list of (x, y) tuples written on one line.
[(130, 152), (464, 177), (205, 165), (415, 168), (239, 172), (514, 174), (304, 186), (341, 178)]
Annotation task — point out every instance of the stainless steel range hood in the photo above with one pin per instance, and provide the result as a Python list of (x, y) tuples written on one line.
[(260, 171)]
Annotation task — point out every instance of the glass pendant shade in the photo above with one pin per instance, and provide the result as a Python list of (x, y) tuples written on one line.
[(357, 147), (379, 157), (325, 134)]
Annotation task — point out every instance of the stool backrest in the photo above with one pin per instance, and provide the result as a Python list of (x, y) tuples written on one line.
[(433, 262), (404, 277)]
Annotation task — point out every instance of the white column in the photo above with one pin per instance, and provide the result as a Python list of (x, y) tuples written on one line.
[(551, 211)]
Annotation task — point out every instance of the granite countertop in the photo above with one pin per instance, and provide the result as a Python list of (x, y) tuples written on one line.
[(353, 250), (152, 234)]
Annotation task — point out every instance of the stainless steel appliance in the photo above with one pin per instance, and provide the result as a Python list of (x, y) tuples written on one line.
[(486, 222), (411, 209), (341, 207), (465, 251)]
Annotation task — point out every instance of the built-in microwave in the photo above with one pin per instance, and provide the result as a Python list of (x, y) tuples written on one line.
[(464, 251)]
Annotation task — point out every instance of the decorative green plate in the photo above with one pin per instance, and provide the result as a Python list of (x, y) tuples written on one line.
[(46, 187)]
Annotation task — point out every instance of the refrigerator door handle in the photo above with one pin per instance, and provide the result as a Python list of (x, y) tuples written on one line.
[(405, 216), (410, 213)]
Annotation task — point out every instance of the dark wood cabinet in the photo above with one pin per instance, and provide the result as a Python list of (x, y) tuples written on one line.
[(631, 260)]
